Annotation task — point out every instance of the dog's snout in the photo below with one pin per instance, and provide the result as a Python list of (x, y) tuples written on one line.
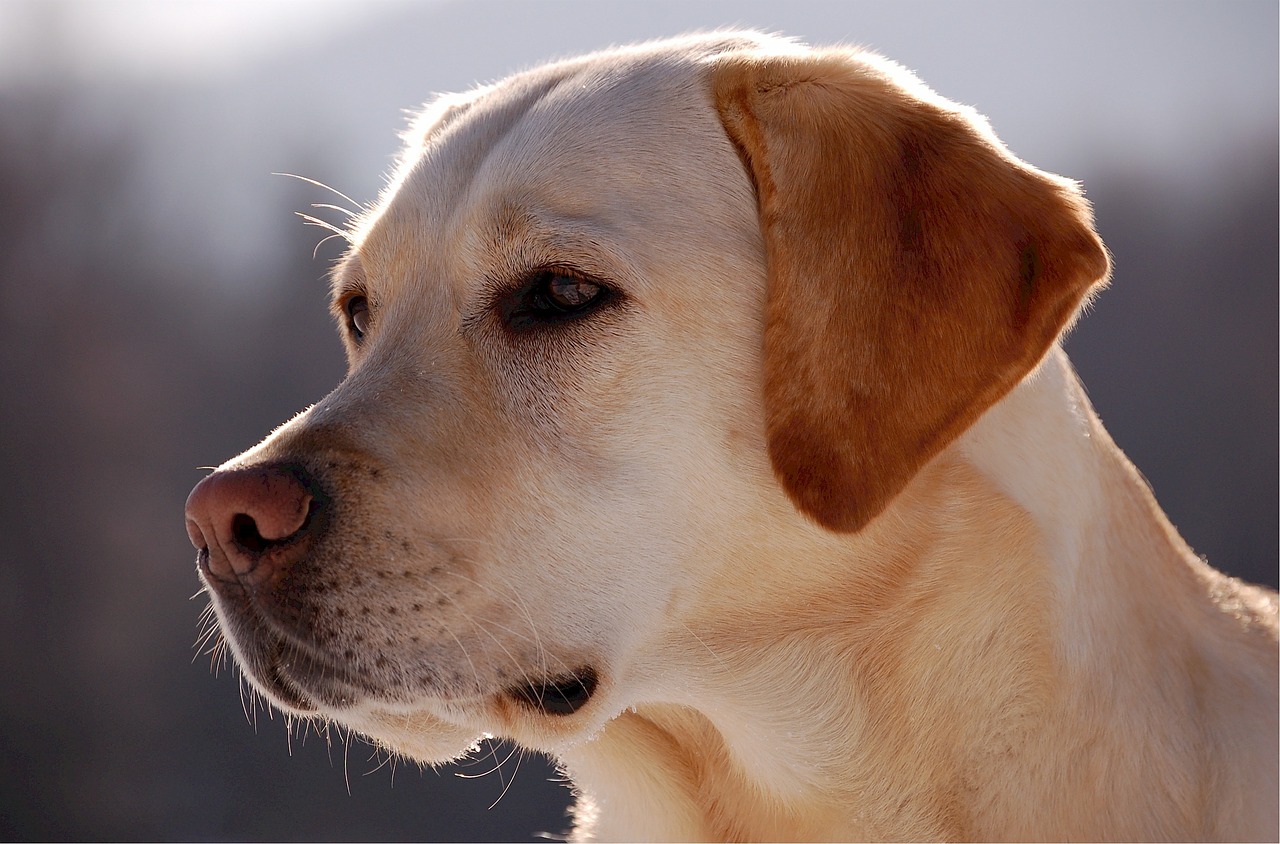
[(247, 517)]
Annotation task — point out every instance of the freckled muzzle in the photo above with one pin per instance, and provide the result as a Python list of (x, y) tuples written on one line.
[(254, 528), (275, 555)]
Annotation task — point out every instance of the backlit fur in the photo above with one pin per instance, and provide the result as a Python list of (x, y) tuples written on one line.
[(818, 497)]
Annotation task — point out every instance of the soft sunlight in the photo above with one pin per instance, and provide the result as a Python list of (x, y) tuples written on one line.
[(162, 38)]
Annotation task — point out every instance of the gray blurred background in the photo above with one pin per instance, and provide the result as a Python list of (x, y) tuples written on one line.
[(160, 310)]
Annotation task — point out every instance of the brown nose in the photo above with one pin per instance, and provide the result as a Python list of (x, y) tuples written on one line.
[(249, 519)]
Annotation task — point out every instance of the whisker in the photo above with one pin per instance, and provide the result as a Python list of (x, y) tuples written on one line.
[(320, 185), (480, 626), (323, 733), (698, 638), (382, 759), (323, 240), (202, 642), (247, 706), (206, 632), (323, 224), (474, 673), (535, 638), (523, 606), (346, 760), (514, 774), (337, 208), (492, 746)]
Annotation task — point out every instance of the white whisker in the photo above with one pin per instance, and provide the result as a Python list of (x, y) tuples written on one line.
[(516, 749), (541, 653), (337, 208), (723, 664), (321, 185), (323, 240), (324, 224)]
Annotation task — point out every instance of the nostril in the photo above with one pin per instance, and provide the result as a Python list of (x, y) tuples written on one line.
[(244, 530)]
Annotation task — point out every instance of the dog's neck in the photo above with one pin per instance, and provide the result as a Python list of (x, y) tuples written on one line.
[(951, 672)]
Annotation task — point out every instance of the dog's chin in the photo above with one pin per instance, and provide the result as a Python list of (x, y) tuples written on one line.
[(295, 688), (433, 731), (419, 735), (427, 725)]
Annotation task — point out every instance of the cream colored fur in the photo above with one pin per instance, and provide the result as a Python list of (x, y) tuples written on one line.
[(1018, 646)]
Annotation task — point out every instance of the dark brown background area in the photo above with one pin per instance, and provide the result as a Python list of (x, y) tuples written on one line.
[(160, 311)]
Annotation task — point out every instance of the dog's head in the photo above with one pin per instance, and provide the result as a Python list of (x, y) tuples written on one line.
[(626, 334)]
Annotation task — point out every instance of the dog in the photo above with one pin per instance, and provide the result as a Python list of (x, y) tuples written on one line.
[(707, 427)]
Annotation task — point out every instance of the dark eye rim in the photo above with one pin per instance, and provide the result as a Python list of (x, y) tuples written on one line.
[(529, 305), (352, 307)]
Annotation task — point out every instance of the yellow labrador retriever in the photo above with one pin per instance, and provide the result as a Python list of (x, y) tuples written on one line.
[(706, 428)]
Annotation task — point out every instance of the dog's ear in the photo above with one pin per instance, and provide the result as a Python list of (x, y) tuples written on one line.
[(916, 269)]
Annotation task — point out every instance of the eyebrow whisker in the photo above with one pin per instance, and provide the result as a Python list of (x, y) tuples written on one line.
[(321, 185), (337, 208), (323, 240), (324, 224)]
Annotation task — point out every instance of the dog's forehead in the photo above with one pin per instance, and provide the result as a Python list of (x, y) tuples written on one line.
[(605, 128), (613, 140)]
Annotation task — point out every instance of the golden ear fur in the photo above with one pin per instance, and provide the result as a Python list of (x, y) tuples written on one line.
[(916, 269)]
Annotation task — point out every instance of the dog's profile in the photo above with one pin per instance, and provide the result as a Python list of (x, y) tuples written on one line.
[(706, 428)]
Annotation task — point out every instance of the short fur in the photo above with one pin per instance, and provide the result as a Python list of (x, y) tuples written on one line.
[(816, 496)]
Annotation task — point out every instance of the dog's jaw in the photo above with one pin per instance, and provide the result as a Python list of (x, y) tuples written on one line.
[(769, 737), (758, 747)]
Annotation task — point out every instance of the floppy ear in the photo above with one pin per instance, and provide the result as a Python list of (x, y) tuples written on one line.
[(916, 269)]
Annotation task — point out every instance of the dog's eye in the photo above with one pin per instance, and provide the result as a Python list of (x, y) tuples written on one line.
[(553, 296), (358, 316), (557, 293)]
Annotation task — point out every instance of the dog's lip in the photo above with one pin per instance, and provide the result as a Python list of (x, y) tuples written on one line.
[(301, 680), (268, 660), (297, 676), (289, 670), (283, 688), (561, 695)]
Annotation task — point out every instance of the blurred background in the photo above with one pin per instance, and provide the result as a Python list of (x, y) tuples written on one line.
[(161, 310)]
